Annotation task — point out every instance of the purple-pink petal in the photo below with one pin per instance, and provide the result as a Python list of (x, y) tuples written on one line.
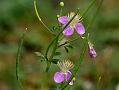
[(68, 31), (59, 77), (80, 28), (63, 19), (68, 75)]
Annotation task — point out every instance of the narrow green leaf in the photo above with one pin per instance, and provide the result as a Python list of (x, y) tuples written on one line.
[(55, 61), (39, 54), (70, 46), (66, 49), (41, 60), (57, 53), (18, 58)]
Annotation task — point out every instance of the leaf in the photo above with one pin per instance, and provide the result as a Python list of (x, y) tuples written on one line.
[(70, 46), (57, 53), (41, 60), (18, 59), (67, 50), (40, 56), (54, 28), (55, 61)]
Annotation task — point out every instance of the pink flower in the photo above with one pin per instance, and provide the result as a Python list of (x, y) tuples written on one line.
[(75, 24), (60, 76), (64, 74)]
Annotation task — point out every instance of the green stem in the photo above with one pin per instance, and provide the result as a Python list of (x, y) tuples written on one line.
[(37, 14), (53, 52), (48, 66), (85, 12), (18, 58), (95, 15), (61, 11), (54, 49)]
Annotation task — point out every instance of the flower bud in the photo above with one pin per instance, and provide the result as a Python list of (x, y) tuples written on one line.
[(58, 16), (62, 4), (91, 50), (72, 81)]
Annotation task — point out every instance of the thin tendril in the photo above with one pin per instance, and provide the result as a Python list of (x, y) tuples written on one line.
[(35, 7)]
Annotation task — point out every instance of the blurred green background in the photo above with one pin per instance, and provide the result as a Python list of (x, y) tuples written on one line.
[(16, 15)]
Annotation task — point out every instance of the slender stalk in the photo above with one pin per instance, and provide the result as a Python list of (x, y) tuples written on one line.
[(54, 49), (95, 15), (61, 11), (18, 58), (48, 66), (85, 12), (53, 52), (37, 14)]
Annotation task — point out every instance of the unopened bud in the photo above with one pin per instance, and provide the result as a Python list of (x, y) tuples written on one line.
[(58, 16), (62, 4), (92, 51)]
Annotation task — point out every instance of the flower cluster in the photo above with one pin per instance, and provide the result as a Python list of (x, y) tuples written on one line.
[(71, 23), (65, 65)]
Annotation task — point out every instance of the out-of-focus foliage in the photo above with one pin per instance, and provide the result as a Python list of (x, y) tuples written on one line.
[(16, 15)]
